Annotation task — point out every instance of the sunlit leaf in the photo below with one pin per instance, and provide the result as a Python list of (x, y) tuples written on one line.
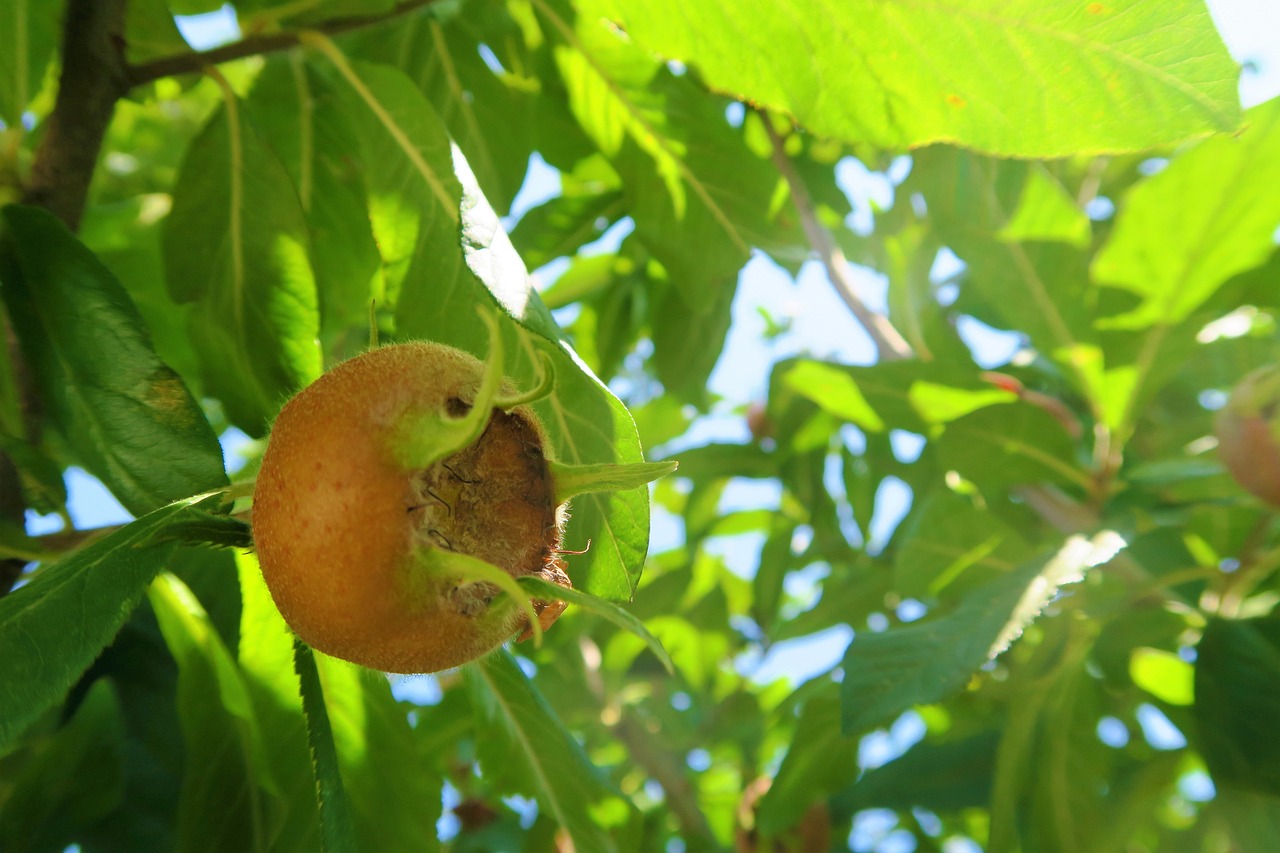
[(32, 26), (949, 541), (1092, 77), (296, 113), (567, 784), (1175, 261), (1009, 445), (237, 244), (227, 785), (1046, 212), (926, 661), (1163, 674)]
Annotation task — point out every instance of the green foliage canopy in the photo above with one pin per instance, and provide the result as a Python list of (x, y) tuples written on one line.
[(1074, 570)]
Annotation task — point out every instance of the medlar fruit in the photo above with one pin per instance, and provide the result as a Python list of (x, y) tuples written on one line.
[(1248, 431), (399, 497)]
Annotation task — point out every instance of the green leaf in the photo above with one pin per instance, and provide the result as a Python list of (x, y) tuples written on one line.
[(586, 279), (1237, 700), (948, 542), (687, 337), (1095, 78), (269, 14), (1038, 288), (567, 784), (1001, 446), (941, 776), (1163, 674), (43, 488), (394, 790), (835, 391), (492, 114), (407, 168), (699, 197), (1046, 211), (227, 785), (237, 243), (32, 28), (820, 761), (907, 395), (150, 31), (265, 655), (56, 625), (194, 7), (421, 204), (126, 237), (927, 661), (336, 832), (1175, 261), (393, 794), (129, 417), (1249, 819), (563, 225), (73, 780), (297, 114)]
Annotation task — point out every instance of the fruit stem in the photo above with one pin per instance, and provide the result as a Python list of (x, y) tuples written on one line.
[(572, 480)]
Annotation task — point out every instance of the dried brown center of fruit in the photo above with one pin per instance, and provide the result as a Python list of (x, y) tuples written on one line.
[(492, 500)]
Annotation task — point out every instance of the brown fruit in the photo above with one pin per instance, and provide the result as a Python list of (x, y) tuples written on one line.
[(1248, 432), (350, 532)]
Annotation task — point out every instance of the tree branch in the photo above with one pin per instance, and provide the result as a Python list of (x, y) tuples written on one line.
[(92, 80), (257, 45), (890, 344), (663, 768)]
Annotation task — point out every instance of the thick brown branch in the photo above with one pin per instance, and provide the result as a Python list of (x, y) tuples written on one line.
[(257, 45), (92, 81), (890, 344)]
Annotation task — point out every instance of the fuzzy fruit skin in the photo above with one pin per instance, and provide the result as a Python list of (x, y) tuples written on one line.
[(1248, 432), (337, 521)]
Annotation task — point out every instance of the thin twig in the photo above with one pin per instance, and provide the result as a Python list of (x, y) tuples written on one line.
[(1069, 517), (647, 752), (890, 344), (257, 45)]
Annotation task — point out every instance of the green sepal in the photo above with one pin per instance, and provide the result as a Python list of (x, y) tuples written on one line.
[(452, 565), (546, 383), (624, 619), (573, 480), (422, 438)]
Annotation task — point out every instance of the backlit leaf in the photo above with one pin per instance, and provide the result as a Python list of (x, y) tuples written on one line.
[(1093, 77)]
